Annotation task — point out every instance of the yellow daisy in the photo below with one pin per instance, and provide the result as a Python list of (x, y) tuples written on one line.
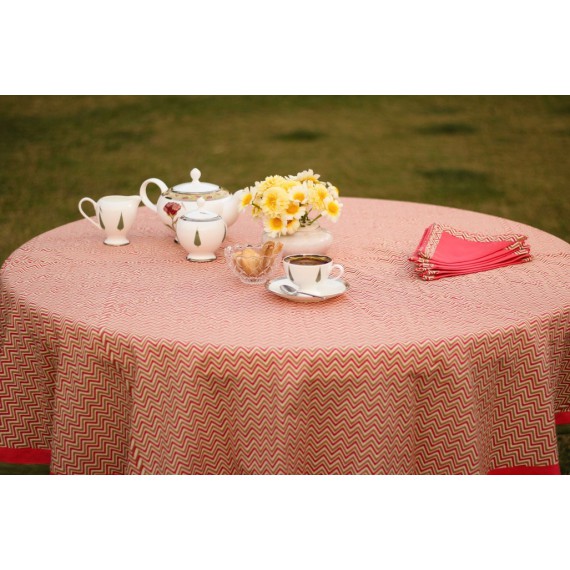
[(275, 201), (288, 184), (318, 195), (275, 226), (254, 191), (292, 226), (298, 193), (308, 175), (269, 182), (332, 209), (295, 210), (333, 190), (246, 199)]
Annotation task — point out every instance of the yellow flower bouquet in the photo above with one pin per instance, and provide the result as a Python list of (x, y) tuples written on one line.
[(287, 203)]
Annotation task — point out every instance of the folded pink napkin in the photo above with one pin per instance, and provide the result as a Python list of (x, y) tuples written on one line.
[(445, 252)]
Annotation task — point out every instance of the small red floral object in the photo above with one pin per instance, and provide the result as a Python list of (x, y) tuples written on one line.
[(171, 209)]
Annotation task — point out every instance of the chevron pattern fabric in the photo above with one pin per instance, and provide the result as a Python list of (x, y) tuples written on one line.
[(134, 361)]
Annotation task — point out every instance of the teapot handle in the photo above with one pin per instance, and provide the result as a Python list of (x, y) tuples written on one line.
[(163, 188)]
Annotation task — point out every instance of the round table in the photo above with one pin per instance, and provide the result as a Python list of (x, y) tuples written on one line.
[(133, 360)]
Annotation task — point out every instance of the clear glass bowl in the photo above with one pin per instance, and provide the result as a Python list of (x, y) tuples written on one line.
[(253, 264)]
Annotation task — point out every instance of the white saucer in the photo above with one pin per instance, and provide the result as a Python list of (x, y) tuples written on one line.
[(328, 290)]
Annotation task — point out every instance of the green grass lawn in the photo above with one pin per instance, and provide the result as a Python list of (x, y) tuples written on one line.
[(506, 156)]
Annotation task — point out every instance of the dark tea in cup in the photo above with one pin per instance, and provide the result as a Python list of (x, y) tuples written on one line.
[(310, 271), (309, 259)]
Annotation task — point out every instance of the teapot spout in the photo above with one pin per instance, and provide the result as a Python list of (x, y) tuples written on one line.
[(231, 208)]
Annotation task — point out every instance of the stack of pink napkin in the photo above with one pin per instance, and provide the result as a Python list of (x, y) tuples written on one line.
[(444, 252)]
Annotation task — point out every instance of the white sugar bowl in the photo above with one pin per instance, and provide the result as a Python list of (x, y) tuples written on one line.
[(201, 232)]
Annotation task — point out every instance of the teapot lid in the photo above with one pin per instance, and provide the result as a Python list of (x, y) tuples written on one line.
[(195, 187), (201, 214)]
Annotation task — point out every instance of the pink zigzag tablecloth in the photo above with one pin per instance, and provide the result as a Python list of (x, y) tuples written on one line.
[(133, 360)]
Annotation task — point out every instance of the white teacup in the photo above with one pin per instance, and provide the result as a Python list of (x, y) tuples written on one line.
[(310, 271), (115, 216)]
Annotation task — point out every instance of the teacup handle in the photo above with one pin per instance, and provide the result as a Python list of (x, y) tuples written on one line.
[(340, 268), (85, 215)]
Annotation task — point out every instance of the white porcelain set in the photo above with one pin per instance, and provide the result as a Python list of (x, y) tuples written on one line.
[(187, 194), (206, 211), (201, 232), (309, 272), (308, 279), (115, 215), (202, 214)]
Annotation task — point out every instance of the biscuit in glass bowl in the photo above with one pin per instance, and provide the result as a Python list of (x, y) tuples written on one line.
[(253, 264)]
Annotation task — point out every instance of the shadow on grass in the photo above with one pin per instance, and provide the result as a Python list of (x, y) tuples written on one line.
[(558, 105), (458, 186), (447, 129), (300, 135)]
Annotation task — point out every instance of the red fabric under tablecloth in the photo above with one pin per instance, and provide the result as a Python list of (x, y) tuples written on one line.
[(546, 470), (43, 457), (129, 360), (25, 456), (563, 418)]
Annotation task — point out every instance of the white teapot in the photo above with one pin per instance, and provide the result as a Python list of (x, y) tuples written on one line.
[(200, 232), (176, 201)]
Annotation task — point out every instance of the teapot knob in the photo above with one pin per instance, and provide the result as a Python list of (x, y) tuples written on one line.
[(195, 175)]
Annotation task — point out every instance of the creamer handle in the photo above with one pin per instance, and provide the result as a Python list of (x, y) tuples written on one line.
[(85, 215)]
